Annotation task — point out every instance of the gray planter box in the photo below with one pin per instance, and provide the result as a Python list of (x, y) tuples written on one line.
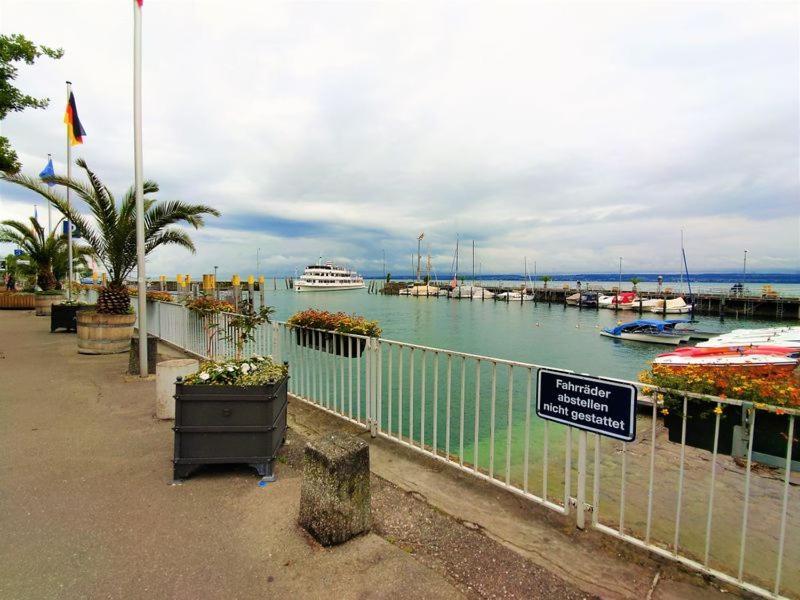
[(230, 425)]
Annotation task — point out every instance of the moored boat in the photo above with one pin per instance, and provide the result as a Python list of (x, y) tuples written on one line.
[(328, 277), (674, 306), (573, 299), (775, 336), (646, 330), (770, 357)]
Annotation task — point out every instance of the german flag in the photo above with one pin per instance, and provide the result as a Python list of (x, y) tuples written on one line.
[(75, 130)]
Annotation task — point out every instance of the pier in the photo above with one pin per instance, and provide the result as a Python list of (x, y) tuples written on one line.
[(772, 307)]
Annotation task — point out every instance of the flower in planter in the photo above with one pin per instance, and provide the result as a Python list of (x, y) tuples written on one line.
[(761, 386), (337, 322), (237, 372), (208, 305)]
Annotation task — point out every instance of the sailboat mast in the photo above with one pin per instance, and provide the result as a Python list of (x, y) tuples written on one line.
[(686, 266), (473, 261), (419, 254), (456, 272)]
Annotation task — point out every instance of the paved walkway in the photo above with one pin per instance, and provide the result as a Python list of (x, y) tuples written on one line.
[(87, 509)]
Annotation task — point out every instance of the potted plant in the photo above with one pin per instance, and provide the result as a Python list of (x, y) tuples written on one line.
[(318, 329), (241, 328), (231, 411), (111, 235), (206, 310), (46, 256)]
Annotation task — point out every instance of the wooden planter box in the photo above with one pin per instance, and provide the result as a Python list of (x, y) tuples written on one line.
[(700, 423), (329, 341), (770, 439), (104, 334), (44, 303), (769, 443), (230, 425), (65, 316), (17, 301)]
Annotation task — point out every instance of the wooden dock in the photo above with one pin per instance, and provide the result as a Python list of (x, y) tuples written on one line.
[(751, 306)]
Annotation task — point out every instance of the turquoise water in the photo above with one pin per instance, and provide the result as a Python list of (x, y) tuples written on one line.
[(550, 335)]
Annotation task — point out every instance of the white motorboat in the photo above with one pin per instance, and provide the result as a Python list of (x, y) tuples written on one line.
[(475, 292), (654, 332), (328, 277), (514, 296), (776, 336), (674, 306), (772, 356), (574, 299), (606, 301)]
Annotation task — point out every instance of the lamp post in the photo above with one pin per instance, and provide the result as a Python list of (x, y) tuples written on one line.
[(216, 293)]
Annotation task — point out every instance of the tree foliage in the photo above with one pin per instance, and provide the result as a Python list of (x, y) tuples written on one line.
[(112, 232), (17, 48), (46, 252)]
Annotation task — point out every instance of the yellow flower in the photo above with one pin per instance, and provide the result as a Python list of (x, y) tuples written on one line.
[(660, 397), (665, 411), (718, 410)]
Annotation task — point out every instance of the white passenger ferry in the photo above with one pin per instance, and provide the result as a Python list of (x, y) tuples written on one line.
[(328, 277)]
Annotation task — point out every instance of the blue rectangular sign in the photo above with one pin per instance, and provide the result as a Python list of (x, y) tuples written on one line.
[(604, 407)]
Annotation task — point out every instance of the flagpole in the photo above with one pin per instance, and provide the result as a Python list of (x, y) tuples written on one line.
[(69, 222), (49, 204), (137, 161)]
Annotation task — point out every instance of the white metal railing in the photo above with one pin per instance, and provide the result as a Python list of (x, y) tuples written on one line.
[(474, 412)]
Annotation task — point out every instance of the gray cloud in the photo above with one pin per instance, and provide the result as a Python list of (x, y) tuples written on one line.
[(571, 134)]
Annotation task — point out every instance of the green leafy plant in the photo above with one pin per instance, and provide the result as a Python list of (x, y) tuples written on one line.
[(241, 328), (46, 252), (17, 48), (339, 322), (111, 234), (256, 370)]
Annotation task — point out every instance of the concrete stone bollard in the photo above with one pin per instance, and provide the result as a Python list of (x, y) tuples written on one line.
[(133, 354), (166, 373), (334, 495)]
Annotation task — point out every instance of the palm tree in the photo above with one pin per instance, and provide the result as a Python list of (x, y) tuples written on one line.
[(47, 253), (112, 232), (635, 281), (545, 279)]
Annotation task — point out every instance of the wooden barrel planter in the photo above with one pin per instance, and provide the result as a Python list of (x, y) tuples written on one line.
[(104, 334), (17, 301), (45, 301)]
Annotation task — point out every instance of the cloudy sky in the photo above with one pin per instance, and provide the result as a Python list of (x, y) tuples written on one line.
[(570, 133)]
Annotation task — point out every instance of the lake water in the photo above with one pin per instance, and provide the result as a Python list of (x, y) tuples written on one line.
[(552, 335)]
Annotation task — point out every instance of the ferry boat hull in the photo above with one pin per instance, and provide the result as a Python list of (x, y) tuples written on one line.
[(328, 277), (299, 287)]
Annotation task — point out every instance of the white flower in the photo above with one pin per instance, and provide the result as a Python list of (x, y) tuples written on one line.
[(204, 376), (245, 367), (258, 357), (230, 369)]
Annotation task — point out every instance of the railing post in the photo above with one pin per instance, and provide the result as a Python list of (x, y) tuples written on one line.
[(373, 386), (158, 319), (580, 513), (276, 343)]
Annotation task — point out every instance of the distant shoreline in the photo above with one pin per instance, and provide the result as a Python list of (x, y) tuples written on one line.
[(777, 278)]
